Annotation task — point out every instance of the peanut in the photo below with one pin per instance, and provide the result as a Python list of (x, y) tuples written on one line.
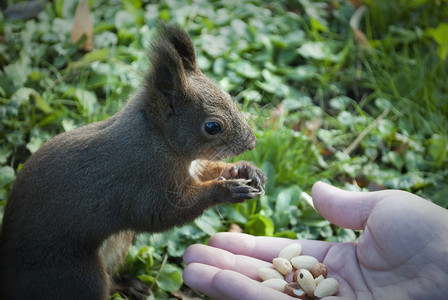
[(319, 269), (268, 273), (282, 265), (293, 289), (309, 278), (276, 284), (296, 273), (291, 251), (318, 279), (326, 287), (306, 282), (304, 262)]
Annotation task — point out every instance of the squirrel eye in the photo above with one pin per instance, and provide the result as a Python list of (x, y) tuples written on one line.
[(212, 127)]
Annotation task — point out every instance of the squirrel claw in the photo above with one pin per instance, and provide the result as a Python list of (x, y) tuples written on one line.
[(255, 177), (240, 190)]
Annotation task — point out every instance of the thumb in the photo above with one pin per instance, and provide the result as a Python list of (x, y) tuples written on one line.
[(343, 208)]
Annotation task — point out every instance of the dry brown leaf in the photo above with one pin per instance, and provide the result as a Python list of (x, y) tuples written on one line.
[(361, 38), (312, 126), (356, 3), (355, 20), (235, 228), (361, 180), (83, 26), (277, 114)]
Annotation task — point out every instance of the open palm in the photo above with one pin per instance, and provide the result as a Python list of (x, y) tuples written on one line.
[(401, 254)]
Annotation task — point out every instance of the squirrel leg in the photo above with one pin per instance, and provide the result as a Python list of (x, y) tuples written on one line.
[(113, 252)]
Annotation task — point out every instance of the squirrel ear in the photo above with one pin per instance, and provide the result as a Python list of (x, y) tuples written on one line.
[(181, 43), (167, 74), (172, 54)]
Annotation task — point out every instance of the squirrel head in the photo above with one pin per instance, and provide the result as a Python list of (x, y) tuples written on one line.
[(195, 117)]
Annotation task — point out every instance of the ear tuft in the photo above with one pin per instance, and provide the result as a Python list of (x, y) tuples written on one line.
[(172, 56), (181, 43), (167, 73)]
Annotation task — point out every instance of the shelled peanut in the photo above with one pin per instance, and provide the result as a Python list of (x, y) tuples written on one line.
[(309, 279)]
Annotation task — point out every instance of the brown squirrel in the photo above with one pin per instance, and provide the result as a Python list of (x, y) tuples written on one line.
[(155, 164)]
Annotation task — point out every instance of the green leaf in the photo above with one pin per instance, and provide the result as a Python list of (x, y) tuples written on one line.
[(16, 138), (145, 255), (405, 182), (440, 194), (68, 8), (209, 222), (58, 7), (286, 201), (343, 235), (124, 19), (42, 104), (213, 45), (386, 127), (203, 62), (317, 25), (239, 27), (345, 118), (318, 51), (19, 70), (34, 144), (170, 278), (7, 176), (288, 197), (89, 58), (68, 125), (437, 149), (5, 153), (340, 102), (269, 169), (440, 35), (297, 103), (139, 258), (246, 69), (88, 101), (395, 159), (22, 95), (273, 83), (312, 218), (288, 234), (252, 95), (260, 225), (316, 13), (37, 138)]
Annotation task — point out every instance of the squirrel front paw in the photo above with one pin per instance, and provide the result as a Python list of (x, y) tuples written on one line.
[(253, 175), (240, 189)]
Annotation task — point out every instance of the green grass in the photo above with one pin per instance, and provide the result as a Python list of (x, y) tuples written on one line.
[(322, 106)]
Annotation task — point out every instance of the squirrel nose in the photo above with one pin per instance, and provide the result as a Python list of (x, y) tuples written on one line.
[(252, 141)]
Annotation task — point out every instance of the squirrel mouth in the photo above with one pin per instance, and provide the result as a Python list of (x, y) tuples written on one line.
[(225, 149), (224, 153)]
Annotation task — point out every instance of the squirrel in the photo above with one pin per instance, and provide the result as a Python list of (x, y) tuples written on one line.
[(156, 164)]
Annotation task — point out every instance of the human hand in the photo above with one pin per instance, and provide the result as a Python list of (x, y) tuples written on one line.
[(401, 254)]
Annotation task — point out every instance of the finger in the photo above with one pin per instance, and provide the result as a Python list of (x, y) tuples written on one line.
[(224, 284), (232, 285), (343, 208), (264, 248), (223, 259), (200, 277)]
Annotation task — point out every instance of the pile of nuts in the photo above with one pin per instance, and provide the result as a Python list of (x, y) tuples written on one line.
[(310, 276)]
